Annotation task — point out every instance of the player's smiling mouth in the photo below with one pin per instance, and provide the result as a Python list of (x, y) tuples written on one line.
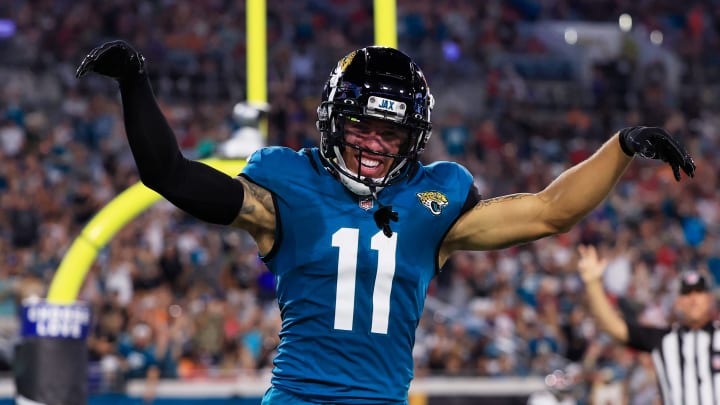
[(369, 167), (365, 162)]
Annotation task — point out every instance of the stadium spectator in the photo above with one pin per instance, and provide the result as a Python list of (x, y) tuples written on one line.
[(139, 359)]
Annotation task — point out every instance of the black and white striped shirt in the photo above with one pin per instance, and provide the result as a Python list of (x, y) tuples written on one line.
[(687, 362)]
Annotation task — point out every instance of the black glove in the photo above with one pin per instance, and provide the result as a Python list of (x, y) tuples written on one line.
[(116, 59), (657, 143)]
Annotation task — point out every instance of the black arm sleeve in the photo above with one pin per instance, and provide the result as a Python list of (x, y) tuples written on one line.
[(194, 187), (644, 338)]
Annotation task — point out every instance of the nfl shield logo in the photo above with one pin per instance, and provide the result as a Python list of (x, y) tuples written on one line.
[(366, 203)]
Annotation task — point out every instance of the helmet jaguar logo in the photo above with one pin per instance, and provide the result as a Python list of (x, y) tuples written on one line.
[(344, 62), (434, 201)]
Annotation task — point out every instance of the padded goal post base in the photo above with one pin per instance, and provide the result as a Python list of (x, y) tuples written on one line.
[(51, 360)]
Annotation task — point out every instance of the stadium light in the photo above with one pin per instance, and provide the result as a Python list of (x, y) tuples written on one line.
[(625, 22), (656, 37), (571, 36)]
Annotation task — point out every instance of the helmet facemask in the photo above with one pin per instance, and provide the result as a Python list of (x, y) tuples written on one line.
[(351, 178)]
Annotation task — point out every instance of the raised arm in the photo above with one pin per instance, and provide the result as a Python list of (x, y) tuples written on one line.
[(518, 218), (591, 269), (192, 186)]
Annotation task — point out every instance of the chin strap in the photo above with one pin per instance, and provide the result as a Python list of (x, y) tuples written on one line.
[(383, 215)]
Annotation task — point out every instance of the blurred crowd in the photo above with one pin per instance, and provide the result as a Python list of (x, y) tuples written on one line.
[(175, 298)]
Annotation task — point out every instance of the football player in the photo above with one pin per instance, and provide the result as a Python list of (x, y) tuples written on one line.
[(355, 230)]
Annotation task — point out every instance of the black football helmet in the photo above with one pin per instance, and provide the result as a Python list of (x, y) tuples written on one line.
[(381, 83)]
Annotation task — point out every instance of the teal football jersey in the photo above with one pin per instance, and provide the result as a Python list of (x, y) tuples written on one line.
[(350, 297)]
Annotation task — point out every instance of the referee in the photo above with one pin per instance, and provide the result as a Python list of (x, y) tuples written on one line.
[(686, 355)]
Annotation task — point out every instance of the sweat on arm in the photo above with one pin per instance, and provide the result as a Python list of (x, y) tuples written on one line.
[(194, 187)]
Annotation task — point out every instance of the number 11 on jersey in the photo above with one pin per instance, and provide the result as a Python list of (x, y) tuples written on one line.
[(347, 241)]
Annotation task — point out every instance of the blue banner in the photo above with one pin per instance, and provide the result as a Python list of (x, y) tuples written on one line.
[(46, 320)]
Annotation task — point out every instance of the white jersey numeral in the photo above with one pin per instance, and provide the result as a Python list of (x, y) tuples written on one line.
[(346, 240)]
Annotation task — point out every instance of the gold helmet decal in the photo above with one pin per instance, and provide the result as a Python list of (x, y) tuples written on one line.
[(340, 68), (344, 62), (435, 201)]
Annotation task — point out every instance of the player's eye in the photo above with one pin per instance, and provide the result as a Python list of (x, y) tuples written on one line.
[(394, 135)]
